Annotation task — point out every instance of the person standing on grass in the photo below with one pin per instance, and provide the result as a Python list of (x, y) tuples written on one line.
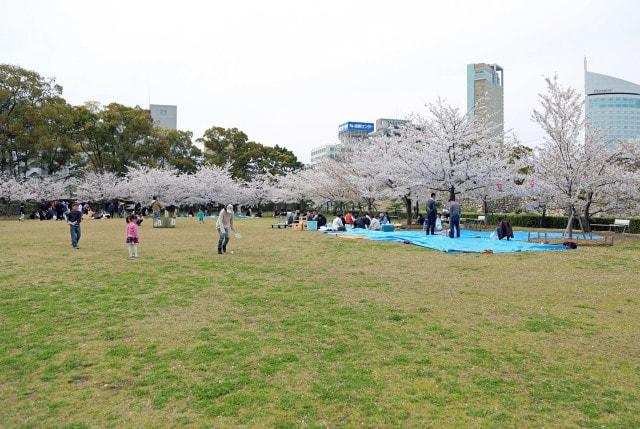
[(155, 207), (454, 218), (21, 218), (132, 236), (73, 219), (224, 226), (432, 212), (200, 215)]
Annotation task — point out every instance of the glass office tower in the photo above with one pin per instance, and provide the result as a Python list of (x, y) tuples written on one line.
[(613, 106)]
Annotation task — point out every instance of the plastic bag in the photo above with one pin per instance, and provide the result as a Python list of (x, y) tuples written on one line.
[(494, 235), (438, 224)]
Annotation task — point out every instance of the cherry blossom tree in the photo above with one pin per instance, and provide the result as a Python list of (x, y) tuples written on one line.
[(43, 189), (446, 151), (209, 185), (94, 186), (10, 188), (449, 151), (576, 166), (143, 183), (258, 190)]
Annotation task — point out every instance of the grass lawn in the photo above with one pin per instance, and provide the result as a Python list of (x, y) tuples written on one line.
[(298, 329)]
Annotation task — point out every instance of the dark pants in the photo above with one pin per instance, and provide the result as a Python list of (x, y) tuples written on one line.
[(454, 223), (431, 224), (223, 240), (75, 234)]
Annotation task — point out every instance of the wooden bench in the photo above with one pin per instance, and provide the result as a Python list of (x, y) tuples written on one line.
[(621, 225)]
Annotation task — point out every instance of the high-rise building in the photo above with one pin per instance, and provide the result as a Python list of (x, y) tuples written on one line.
[(164, 116), (612, 105), (485, 92), (386, 126), (354, 132), (328, 151)]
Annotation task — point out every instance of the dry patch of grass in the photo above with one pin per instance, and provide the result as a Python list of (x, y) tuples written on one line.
[(299, 329)]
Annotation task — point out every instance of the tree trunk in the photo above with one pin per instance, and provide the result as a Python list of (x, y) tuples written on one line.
[(485, 205), (569, 229), (408, 206), (586, 213), (452, 193)]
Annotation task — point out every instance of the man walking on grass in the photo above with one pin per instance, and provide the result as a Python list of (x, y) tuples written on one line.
[(224, 225), (73, 219)]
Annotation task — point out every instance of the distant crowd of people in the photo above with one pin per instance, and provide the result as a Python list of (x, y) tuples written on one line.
[(58, 210), (74, 213), (361, 220)]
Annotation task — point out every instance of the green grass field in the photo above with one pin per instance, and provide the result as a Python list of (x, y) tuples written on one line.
[(298, 329)]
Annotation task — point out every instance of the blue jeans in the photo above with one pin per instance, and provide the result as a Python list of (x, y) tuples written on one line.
[(75, 234), (223, 240), (454, 224)]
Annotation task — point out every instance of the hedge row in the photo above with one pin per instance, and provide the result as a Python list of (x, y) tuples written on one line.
[(534, 220), (13, 208)]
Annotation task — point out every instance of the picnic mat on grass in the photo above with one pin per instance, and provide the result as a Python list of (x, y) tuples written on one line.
[(469, 241)]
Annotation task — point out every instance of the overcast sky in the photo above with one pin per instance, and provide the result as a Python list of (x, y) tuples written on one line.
[(289, 72)]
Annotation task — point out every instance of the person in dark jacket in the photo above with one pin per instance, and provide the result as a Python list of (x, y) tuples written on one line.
[(59, 211), (73, 219), (454, 218), (504, 230), (432, 212), (322, 221)]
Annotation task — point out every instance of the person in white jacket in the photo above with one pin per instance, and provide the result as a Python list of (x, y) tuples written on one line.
[(338, 224), (375, 224), (224, 226)]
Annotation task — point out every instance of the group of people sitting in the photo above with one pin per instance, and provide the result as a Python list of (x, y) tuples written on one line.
[(361, 220)]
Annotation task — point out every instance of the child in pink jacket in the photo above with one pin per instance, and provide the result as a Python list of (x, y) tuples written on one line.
[(132, 236)]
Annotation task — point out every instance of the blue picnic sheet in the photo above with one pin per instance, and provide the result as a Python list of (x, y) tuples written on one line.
[(469, 241)]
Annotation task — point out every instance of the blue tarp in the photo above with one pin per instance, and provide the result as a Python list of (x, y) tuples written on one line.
[(469, 241)]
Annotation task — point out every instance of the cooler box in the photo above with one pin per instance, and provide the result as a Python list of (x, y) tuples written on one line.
[(387, 228), (312, 225), (164, 222)]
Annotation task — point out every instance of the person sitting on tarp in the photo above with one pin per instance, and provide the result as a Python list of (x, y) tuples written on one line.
[(363, 221), (504, 230), (349, 219), (375, 224), (322, 221), (338, 223)]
